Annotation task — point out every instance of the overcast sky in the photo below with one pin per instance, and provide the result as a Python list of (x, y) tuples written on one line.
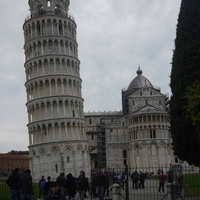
[(114, 36)]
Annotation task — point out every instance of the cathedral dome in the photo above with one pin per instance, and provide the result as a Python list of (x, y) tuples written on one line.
[(139, 81)]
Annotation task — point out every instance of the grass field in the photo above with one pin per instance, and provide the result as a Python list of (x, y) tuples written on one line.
[(192, 184), (5, 191)]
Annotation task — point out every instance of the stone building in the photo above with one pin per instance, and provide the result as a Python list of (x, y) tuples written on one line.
[(8, 162), (139, 135), (61, 136), (56, 124)]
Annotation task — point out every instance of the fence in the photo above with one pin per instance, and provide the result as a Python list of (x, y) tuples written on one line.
[(180, 184)]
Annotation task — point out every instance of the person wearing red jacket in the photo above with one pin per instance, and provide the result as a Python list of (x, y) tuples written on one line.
[(162, 178)]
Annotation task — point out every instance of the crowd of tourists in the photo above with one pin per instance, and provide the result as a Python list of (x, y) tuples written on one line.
[(64, 187), (74, 188)]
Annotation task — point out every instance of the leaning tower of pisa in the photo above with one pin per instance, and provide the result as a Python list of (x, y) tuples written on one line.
[(56, 126)]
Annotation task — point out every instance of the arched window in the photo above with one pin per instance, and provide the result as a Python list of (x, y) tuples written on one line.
[(38, 29), (41, 10), (56, 166), (60, 28), (48, 3), (152, 133), (124, 154), (57, 9), (125, 157)]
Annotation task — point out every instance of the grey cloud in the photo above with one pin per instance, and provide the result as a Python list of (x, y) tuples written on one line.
[(114, 37)]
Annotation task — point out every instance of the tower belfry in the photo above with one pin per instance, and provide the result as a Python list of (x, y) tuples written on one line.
[(56, 125)]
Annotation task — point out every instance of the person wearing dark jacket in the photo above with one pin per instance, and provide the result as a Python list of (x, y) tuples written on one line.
[(70, 186), (94, 183), (60, 180), (100, 184), (26, 187), (83, 185), (107, 179), (47, 186), (13, 183), (135, 179), (54, 193)]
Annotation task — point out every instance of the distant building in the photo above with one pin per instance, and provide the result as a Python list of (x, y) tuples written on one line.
[(9, 162), (139, 135)]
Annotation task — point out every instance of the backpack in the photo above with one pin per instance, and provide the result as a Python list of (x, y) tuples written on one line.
[(41, 184)]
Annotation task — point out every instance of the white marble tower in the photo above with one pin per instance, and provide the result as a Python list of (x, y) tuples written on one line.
[(56, 125)]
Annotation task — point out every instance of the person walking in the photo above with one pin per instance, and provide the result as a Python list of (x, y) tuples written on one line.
[(13, 183), (107, 180), (60, 180), (162, 178), (135, 179), (70, 186), (83, 185), (47, 186), (142, 180), (41, 187), (100, 184), (26, 187)]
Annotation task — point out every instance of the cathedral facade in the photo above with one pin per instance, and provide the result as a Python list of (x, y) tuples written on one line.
[(138, 136)]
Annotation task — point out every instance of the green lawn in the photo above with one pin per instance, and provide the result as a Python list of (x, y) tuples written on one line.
[(5, 191), (192, 182)]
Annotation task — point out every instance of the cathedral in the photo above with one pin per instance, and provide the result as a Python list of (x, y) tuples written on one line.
[(138, 136), (61, 136)]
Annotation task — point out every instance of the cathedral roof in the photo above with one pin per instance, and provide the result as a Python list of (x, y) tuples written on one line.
[(149, 109), (139, 81)]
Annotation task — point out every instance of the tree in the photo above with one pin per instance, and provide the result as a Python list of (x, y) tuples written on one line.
[(185, 71), (13, 152), (193, 104)]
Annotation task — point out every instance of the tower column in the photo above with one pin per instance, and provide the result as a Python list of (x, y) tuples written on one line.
[(51, 27), (59, 49), (53, 130), (45, 110), (58, 110), (50, 88), (30, 139), (51, 110), (62, 87), (66, 133), (42, 49)]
